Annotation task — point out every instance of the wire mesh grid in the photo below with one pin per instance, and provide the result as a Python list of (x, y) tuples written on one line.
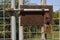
[(29, 33), (5, 31)]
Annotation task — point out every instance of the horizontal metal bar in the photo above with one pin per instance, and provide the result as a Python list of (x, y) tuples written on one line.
[(29, 10), (32, 9), (46, 9)]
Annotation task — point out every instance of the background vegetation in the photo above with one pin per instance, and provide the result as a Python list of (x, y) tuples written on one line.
[(5, 27)]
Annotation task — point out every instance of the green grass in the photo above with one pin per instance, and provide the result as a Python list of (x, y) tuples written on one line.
[(55, 35)]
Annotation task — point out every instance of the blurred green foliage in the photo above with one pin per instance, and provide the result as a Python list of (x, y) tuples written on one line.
[(56, 14), (26, 29)]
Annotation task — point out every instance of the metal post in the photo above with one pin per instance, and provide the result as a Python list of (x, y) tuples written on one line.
[(43, 27), (20, 3), (13, 21), (43, 2), (13, 26), (43, 33), (13, 4), (20, 27)]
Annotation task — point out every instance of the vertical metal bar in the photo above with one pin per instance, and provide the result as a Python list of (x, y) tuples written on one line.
[(42, 28), (13, 26), (43, 33), (20, 3), (43, 2), (13, 21), (3, 22), (20, 27), (13, 4)]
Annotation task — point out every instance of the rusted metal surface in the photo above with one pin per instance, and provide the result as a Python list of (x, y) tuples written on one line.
[(32, 19), (36, 7), (35, 18)]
